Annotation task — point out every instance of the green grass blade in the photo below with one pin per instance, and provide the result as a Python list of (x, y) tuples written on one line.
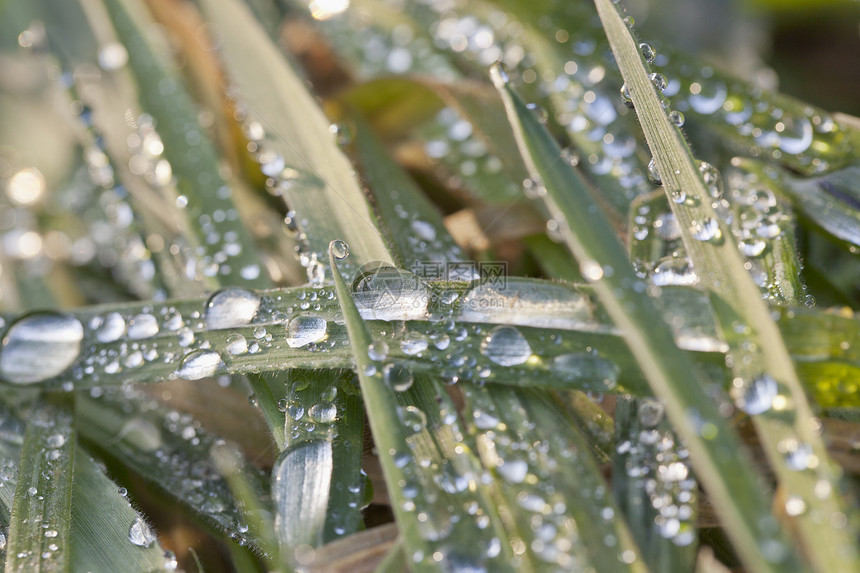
[(713, 446), (539, 460), (191, 154), (171, 450), (102, 526), (760, 352), (651, 475), (39, 529), (327, 198)]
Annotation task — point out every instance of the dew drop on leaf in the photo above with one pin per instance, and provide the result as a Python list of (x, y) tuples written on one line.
[(305, 329), (231, 307), (199, 364), (140, 533), (505, 345), (39, 346)]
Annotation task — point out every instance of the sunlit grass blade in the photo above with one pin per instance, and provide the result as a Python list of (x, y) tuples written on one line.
[(758, 356), (319, 184), (39, 528), (714, 448), (107, 533)]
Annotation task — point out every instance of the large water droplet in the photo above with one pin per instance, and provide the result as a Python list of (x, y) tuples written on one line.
[(339, 249), (323, 413), (199, 364), (383, 292), (413, 343), (39, 346), (231, 307), (140, 533), (236, 344), (305, 329), (598, 372), (112, 327), (398, 377), (647, 52), (674, 271), (526, 303), (413, 419), (142, 326), (507, 346)]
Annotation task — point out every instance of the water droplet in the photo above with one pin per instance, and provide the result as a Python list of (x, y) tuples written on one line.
[(625, 96), (524, 303), (199, 364), (142, 326), (236, 344), (506, 345), (539, 112), (305, 329), (677, 118), (323, 413), (398, 377), (112, 327), (659, 81), (413, 343), (707, 229), (231, 307), (758, 395), (414, 419), (55, 441), (339, 249), (653, 174), (39, 346), (377, 350), (674, 271), (711, 177), (383, 292), (650, 412), (647, 52), (140, 533)]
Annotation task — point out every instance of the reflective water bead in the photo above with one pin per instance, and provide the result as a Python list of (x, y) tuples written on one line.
[(339, 249), (199, 364), (659, 81), (653, 173), (39, 346), (677, 118), (140, 533), (398, 377), (505, 345), (231, 307), (305, 329), (647, 52)]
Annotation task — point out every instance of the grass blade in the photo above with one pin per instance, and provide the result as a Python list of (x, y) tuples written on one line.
[(39, 529), (713, 446), (761, 353)]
